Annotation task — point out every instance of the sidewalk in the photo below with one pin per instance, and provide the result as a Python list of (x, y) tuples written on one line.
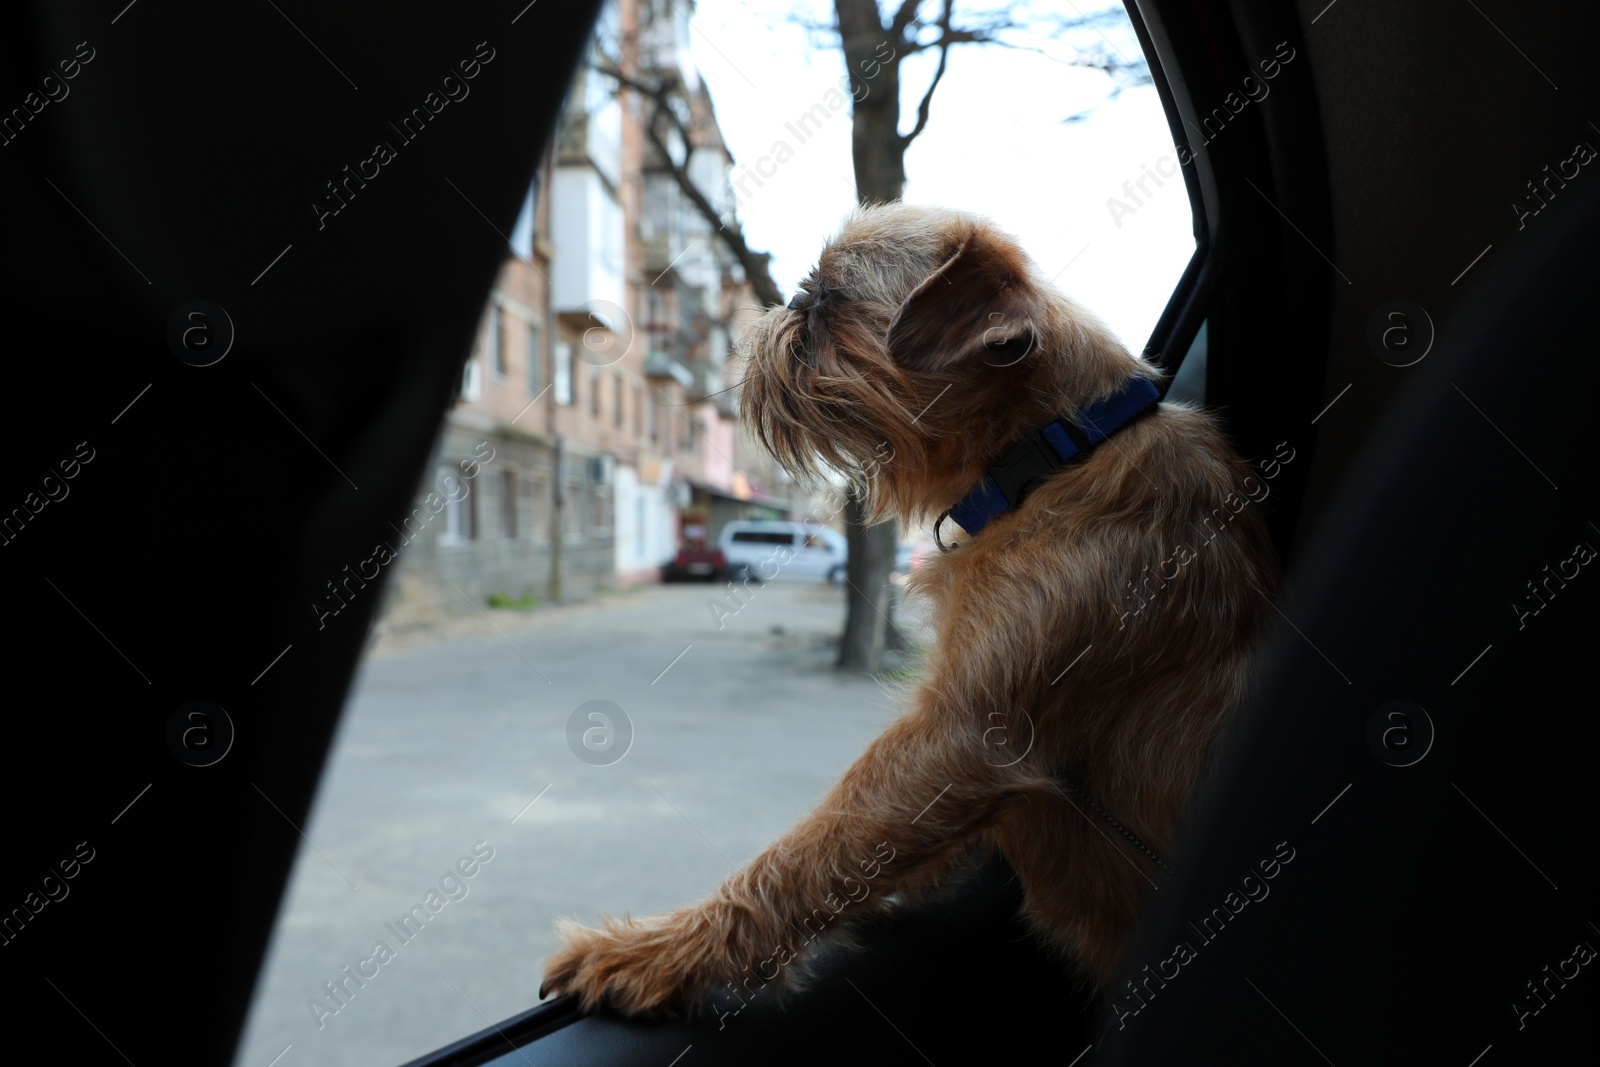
[(398, 636), (470, 750)]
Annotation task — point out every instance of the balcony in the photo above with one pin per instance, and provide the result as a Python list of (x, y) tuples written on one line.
[(662, 365), (587, 224)]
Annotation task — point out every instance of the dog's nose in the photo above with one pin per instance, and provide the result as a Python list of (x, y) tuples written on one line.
[(797, 302)]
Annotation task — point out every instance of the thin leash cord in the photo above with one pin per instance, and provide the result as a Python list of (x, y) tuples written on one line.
[(1123, 830)]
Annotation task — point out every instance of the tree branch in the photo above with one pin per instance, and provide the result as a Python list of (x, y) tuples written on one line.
[(903, 17), (966, 35), (938, 75), (753, 262)]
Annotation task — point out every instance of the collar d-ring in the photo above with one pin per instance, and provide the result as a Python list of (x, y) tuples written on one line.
[(937, 540)]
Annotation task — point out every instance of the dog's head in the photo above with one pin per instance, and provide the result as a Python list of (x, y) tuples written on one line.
[(923, 344)]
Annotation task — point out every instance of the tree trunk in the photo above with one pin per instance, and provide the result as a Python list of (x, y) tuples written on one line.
[(866, 627), (871, 56), (876, 148)]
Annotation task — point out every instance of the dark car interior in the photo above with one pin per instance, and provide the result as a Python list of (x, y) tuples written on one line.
[(1396, 250)]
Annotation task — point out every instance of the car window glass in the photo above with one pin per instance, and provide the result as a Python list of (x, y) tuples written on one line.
[(534, 706)]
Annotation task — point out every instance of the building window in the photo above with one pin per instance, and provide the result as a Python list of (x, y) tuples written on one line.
[(497, 343), (460, 511), (600, 509), (508, 503), (638, 411), (535, 360), (594, 390), (617, 414), (651, 428), (471, 385), (562, 377)]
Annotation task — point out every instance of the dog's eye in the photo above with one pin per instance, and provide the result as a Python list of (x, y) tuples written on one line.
[(812, 293)]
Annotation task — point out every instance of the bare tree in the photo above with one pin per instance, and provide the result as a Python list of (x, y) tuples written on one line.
[(874, 41), (666, 123)]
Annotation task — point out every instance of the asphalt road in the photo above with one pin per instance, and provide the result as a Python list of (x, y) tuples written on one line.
[(455, 771)]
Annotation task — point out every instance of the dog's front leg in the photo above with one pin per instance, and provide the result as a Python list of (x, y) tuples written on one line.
[(901, 814)]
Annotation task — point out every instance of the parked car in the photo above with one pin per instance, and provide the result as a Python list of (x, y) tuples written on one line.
[(765, 549), (693, 562)]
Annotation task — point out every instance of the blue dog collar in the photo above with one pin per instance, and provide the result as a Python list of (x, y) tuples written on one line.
[(1025, 465)]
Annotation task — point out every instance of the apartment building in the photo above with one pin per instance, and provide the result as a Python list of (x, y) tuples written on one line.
[(598, 382)]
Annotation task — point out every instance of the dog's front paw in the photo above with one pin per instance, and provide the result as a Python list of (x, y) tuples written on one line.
[(644, 967)]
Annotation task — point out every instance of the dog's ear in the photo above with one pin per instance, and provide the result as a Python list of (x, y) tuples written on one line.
[(980, 302)]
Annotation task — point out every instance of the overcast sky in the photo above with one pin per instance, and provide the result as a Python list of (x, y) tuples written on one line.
[(996, 144)]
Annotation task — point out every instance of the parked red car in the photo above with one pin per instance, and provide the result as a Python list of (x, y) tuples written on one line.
[(695, 563)]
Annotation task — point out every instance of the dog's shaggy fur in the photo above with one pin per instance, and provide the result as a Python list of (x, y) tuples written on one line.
[(926, 343)]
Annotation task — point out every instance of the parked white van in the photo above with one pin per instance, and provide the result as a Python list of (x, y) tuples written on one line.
[(770, 549)]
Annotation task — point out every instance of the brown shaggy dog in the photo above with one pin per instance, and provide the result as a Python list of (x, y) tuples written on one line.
[(1090, 643)]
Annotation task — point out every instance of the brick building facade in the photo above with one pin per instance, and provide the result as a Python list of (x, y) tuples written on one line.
[(596, 381)]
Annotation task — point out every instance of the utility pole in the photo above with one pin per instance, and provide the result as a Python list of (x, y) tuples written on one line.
[(557, 526)]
